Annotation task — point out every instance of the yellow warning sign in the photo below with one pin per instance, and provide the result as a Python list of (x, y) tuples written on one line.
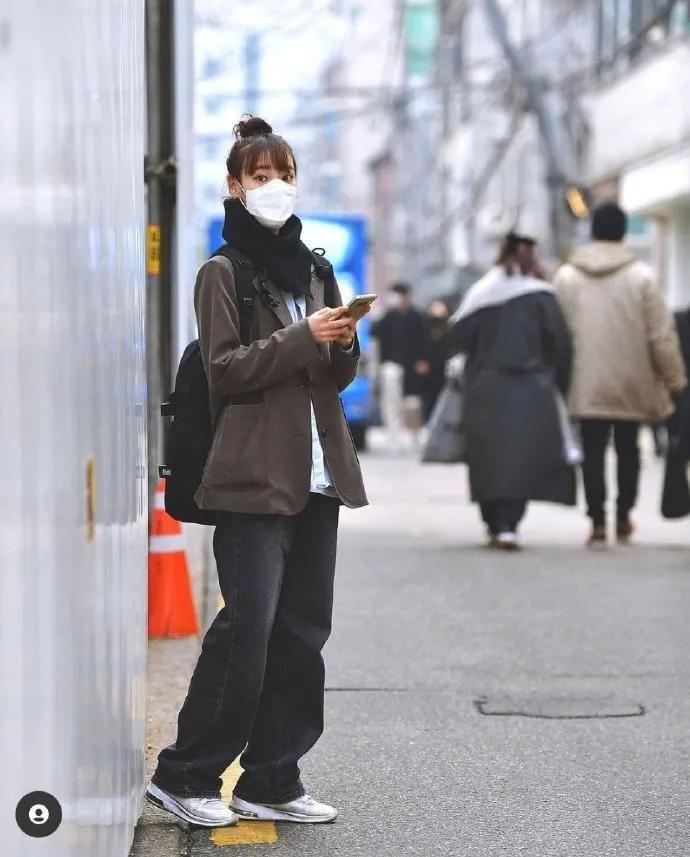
[(577, 202), (153, 250)]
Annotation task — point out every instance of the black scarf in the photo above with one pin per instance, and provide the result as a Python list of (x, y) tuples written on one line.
[(284, 259)]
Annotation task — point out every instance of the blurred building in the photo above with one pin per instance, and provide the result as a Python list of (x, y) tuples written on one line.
[(450, 154), (503, 173), (218, 69), (582, 100), (639, 119), (390, 141), (369, 177), (613, 78), (283, 66), (448, 122)]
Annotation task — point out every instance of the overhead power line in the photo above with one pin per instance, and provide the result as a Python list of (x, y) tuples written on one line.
[(393, 48)]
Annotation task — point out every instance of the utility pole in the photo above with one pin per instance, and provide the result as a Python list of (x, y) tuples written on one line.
[(445, 78), (252, 54), (560, 167), (160, 170)]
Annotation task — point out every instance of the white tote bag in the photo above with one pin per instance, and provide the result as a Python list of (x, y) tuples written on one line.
[(572, 448)]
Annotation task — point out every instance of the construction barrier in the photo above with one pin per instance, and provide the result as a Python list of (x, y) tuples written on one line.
[(171, 604)]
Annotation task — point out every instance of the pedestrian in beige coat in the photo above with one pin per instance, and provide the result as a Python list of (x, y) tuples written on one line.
[(627, 364)]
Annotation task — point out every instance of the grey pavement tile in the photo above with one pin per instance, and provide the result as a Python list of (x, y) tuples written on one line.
[(160, 840)]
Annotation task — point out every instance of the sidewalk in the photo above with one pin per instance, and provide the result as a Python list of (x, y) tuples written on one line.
[(427, 622), (170, 666)]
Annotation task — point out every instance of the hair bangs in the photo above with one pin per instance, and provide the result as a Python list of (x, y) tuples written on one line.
[(270, 149)]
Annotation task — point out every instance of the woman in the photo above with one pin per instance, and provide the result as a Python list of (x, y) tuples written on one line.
[(281, 463), (518, 350)]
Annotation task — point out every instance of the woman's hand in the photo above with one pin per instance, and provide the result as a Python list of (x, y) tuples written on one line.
[(346, 340), (330, 325), (348, 335)]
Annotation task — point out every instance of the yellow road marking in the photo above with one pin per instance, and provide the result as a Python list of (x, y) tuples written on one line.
[(246, 832)]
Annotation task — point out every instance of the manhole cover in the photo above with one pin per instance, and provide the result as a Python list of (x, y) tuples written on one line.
[(558, 707), (366, 690)]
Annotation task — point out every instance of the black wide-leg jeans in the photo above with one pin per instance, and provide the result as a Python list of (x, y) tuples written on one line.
[(258, 686)]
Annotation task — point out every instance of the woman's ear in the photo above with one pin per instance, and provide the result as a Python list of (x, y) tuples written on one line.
[(234, 188)]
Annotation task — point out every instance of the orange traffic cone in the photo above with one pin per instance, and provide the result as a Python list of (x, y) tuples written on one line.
[(171, 606)]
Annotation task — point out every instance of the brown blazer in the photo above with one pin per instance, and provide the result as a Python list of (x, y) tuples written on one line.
[(260, 459)]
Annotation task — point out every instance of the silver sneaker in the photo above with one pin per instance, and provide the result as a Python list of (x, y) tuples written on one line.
[(304, 810), (204, 811)]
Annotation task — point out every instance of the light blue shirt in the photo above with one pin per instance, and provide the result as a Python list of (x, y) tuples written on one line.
[(321, 481)]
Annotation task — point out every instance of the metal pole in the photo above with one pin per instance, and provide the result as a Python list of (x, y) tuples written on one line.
[(252, 54), (160, 170), (445, 76)]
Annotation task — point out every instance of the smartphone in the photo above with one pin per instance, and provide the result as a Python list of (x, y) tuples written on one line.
[(358, 306)]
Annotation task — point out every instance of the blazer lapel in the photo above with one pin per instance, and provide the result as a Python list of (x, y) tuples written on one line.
[(315, 302), (272, 296)]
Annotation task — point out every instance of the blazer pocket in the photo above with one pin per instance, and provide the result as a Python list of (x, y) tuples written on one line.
[(239, 454)]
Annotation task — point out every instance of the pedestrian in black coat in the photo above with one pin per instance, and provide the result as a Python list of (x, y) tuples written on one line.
[(437, 354), (402, 350), (402, 338), (512, 330)]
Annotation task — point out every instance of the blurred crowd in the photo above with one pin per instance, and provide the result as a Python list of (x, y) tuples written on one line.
[(413, 350), (528, 380)]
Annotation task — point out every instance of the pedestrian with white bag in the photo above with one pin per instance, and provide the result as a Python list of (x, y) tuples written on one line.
[(519, 443)]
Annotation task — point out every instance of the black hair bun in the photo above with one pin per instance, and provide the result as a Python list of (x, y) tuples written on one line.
[(253, 126)]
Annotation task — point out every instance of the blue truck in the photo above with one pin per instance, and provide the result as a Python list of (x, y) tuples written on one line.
[(344, 239)]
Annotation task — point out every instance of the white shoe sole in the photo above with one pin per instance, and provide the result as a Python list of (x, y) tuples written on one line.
[(166, 801), (262, 812)]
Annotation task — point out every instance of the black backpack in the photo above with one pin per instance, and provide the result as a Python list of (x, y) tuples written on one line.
[(191, 432)]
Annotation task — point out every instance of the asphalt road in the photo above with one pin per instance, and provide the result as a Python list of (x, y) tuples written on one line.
[(428, 622)]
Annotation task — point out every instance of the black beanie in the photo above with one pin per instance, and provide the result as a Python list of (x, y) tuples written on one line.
[(609, 223)]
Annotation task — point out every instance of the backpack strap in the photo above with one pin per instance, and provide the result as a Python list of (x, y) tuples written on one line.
[(245, 273), (324, 271)]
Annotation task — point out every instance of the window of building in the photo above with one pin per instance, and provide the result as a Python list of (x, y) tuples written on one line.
[(210, 148), (212, 193), (680, 17), (213, 104), (212, 67), (331, 127), (628, 27)]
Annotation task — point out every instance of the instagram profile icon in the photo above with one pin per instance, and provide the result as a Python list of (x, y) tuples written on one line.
[(38, 814)]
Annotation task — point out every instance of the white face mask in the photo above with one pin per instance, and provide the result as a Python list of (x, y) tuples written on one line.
[(272, 203)]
